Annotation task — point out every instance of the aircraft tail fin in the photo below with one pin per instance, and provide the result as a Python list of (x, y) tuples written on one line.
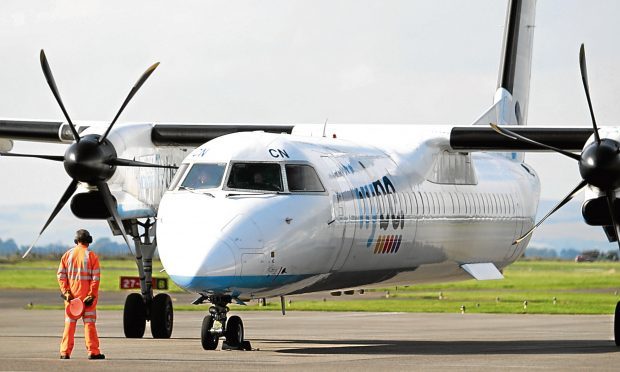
[(511, 100), (513, 87)]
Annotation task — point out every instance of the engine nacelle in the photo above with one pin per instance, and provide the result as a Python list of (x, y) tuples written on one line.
[(596, 212), (90, 206)]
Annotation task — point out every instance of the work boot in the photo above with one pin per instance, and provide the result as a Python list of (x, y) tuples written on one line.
[(98, 356), (65, 357)]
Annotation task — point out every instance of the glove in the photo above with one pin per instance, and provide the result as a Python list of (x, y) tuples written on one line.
[(89, 300), (68, 296)]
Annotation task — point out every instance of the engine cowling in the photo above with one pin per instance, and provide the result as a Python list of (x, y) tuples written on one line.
[(90, 206)]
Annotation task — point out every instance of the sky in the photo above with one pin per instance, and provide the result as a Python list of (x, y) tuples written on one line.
[(409, 62)]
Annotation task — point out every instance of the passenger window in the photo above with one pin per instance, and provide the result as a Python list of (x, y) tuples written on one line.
[(204, 176), (255, 176), (426, 205), (303, 178), (455, 207)]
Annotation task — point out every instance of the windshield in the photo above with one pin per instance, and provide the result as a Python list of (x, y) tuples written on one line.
[(177, 176), (302, 178), (204, 176), (255, 176)]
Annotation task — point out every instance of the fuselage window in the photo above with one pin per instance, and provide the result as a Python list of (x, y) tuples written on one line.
[(433, 202), (479, 205), (500, 205), (204, 176), (414, 203), (426, 207), (177, 176), (487, 204), (303, 178), (255, 176), (455, 207)]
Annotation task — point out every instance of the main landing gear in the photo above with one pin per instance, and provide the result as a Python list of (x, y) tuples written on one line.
[(217, 324), (143, 307)]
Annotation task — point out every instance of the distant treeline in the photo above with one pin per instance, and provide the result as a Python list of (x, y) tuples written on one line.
[(570, 254), (104, 247)]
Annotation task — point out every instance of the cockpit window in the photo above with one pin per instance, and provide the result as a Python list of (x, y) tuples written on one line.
[(204, 176), (255, 176), (303, 178), (177, 176)]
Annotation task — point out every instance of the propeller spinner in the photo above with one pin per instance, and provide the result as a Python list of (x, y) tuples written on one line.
[(599, 161), (91, 159)]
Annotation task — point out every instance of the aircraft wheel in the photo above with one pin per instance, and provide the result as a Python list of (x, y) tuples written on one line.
[(234, 331), (617, 325), (134, 316), (162, 316), (209, 341)]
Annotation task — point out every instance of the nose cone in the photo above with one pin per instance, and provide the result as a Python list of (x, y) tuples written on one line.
[(191, 245), (600, 164), (85, 160)]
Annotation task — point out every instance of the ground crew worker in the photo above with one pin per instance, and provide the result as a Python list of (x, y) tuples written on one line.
[(78, 277)]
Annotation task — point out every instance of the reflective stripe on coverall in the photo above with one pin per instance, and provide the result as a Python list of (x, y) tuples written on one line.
[(79, 273)]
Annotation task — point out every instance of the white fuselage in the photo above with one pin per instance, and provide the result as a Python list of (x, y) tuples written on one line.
[(401, 210)]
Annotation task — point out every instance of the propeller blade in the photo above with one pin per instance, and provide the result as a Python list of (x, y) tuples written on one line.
[(610, 204), (50, 81), (63, 200), (108, 199), (46, 157), (134, 163), (133, 91), (568, 198), (517, 137), (586, 87)]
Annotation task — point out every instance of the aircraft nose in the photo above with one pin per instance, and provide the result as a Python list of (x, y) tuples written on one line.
[(203, 264), (192, 246)]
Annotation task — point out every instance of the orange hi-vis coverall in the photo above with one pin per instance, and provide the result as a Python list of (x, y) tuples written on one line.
[(79, 274)]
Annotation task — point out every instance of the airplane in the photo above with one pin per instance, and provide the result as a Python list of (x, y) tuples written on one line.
[(247, 211)]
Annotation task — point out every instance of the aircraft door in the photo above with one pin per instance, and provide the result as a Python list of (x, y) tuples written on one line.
[(343, 212)]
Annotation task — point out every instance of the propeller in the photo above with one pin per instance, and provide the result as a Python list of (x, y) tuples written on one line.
[(599, 161), (91, 158)]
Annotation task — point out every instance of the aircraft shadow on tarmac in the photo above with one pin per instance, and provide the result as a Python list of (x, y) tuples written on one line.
[(450, 347)]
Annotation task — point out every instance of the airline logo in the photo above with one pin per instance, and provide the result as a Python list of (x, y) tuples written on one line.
[(386, 244)]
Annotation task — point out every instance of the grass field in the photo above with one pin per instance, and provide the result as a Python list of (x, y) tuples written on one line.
[(578, 288)]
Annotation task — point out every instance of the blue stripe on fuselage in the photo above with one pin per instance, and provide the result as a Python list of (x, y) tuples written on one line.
[(234, 283)]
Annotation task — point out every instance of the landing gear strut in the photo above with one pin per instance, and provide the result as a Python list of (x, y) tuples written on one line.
[(143, 307), (217, 324)]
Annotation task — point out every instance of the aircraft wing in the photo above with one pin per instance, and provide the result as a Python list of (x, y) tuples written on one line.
[(168, 134), (484, 138), (31, 130)]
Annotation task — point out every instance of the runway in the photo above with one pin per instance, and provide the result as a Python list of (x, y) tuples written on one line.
[(325, 341)]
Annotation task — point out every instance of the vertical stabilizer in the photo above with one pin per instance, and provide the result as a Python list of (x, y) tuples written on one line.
[(513, 86)]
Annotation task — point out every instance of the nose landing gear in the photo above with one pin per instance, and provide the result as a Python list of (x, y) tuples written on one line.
[(217, 324)]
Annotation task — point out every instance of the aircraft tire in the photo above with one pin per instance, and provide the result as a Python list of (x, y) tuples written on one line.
[(162, 316), (134, 316), (617, 325), (209, 341), (234, 331)]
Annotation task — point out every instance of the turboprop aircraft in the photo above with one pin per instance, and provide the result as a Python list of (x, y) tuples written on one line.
[(246, 211)]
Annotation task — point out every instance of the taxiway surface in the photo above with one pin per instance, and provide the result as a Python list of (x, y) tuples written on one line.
[(325, 341)]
